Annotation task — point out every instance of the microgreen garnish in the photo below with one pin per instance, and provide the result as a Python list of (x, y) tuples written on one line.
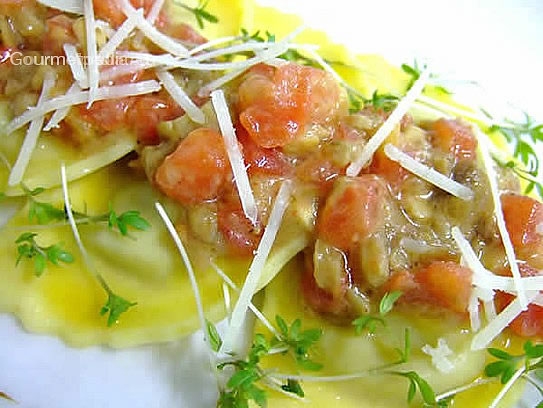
[(417, 383), (213, 336), (42, 213), (115, 306), (256, 36), (200, 13), (507, 365), (245, 383), (369, 322), (386, 102), (412, 70), (126, 219), (28, 248), (45, 213), (523, 136)]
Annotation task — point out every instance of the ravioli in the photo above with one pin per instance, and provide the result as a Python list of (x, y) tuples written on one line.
[(342, 352)]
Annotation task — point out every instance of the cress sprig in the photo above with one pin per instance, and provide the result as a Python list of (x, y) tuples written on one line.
[(245, 383), (45, 213), (369, 322), (28, 248), (200, 13), (523, 137)]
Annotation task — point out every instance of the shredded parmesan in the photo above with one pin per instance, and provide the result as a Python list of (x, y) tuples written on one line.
[(380, 136), (235, 156), (31, 138), (439, 355), (69, 6), (76, 66), (232, 337), (186, 260), (180, 96), (120, 35), (211, 44), (154, 11), (76, 98), (269, 54), (116, 71), (60, 114), (158, 38), (71, 220), (428, 174), (488, 333), (92, 63), (258, 314), (498, 213), (248, 46)]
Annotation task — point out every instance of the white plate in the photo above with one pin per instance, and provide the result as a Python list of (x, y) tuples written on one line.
[(497, 43)]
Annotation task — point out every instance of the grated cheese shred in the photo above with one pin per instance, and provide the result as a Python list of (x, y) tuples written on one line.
[(29, 144), (232, 337), (380, 136), (498, 213), (93, 74), (180, 96), (235, 156), (428, 174)]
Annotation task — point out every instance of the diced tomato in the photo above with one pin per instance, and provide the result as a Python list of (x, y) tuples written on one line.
[(260, 160), (528, 323), (320, 171), (390, 170), (197, 171), (353, 210), (147, 112), (140, 113), (522, 216), (444, 284), (59, 32), (455, 137), (241, 236), (275, 111), (321, 300), (112, 10), (183, 32)]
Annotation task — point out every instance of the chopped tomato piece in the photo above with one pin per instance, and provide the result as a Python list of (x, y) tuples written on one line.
[(276, 110), (354, 209), (241, 236), (183, 32), (260, 160), (112, 10), (321, 300), (59, 32), (522, 216), (445, 284), (390, 170), (455, 137), (197, 171), (141, 113), (528, 323)]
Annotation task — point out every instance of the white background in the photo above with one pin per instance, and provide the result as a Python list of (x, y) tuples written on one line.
[(498, 43)]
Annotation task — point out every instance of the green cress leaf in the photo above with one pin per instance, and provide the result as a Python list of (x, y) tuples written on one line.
[(416, 382), (214, 337), (370, 322), (293, 387), (115, 306), (200, 13), (28, 248), (388, 300)]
